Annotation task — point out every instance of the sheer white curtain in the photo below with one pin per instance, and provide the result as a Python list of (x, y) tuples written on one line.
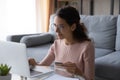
[(17, 17)]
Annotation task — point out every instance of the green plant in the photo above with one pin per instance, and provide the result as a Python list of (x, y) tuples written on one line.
[(4, 69)]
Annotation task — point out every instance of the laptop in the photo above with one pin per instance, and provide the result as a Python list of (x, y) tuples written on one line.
[(14, 54)]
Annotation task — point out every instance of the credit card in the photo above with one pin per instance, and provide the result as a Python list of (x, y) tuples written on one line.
[(58, 63)]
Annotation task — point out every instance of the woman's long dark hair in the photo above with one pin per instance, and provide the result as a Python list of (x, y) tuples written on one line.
[(71, 16)]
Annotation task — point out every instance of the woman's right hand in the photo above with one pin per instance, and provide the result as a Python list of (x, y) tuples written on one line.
[(32, 62)]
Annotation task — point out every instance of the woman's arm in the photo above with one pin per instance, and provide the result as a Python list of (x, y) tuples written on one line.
[(47, 61), (49, 58), (89, 62)]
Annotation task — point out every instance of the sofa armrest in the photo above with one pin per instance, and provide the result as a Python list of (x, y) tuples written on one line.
[(17, 38), (37, 40)]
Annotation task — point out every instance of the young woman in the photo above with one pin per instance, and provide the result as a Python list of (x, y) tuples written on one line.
[(72, 47)]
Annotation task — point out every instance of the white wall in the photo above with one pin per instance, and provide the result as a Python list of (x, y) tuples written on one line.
[(101, 7), (17, 17), (3, 15), (116, 7)]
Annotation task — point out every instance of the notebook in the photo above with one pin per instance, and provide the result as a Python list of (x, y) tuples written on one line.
[(14, 54)]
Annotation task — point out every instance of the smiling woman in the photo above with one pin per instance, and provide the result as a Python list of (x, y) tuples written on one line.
[(17, 17)]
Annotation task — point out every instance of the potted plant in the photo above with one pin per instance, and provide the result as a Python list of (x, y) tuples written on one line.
[(4, 72)]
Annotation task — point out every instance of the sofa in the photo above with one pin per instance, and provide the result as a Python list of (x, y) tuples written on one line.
[(104, 30)]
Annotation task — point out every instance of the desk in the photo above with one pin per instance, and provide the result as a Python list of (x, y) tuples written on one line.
[(47, 77), (15, 77), (43, 77), (52, 77), (46, 71)]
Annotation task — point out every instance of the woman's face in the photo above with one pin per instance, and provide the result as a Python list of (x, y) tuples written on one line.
[(62, 29)]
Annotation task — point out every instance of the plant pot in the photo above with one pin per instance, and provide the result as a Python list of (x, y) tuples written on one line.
[(7, 77)]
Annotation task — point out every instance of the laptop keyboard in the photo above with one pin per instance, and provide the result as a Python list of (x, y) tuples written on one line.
[(33, 72)]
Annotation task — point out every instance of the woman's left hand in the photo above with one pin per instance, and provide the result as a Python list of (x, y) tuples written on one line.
[(72, 68)]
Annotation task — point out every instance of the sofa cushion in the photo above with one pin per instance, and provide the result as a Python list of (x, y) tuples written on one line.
[(102, 29), (38, 52), (102, 52), (117, 47), (51, 27), (108, 66), (37, 40)]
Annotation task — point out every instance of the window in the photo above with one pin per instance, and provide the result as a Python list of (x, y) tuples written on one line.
[(17, 17)]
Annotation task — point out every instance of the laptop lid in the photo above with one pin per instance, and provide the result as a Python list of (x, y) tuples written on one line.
[(14, 54)]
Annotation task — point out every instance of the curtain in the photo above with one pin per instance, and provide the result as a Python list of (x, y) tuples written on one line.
[(44, 8)]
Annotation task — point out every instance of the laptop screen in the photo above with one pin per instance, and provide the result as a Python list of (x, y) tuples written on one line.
[(14, 55)]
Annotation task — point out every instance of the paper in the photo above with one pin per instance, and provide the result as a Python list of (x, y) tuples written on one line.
[(59, 77), (43, 69)]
